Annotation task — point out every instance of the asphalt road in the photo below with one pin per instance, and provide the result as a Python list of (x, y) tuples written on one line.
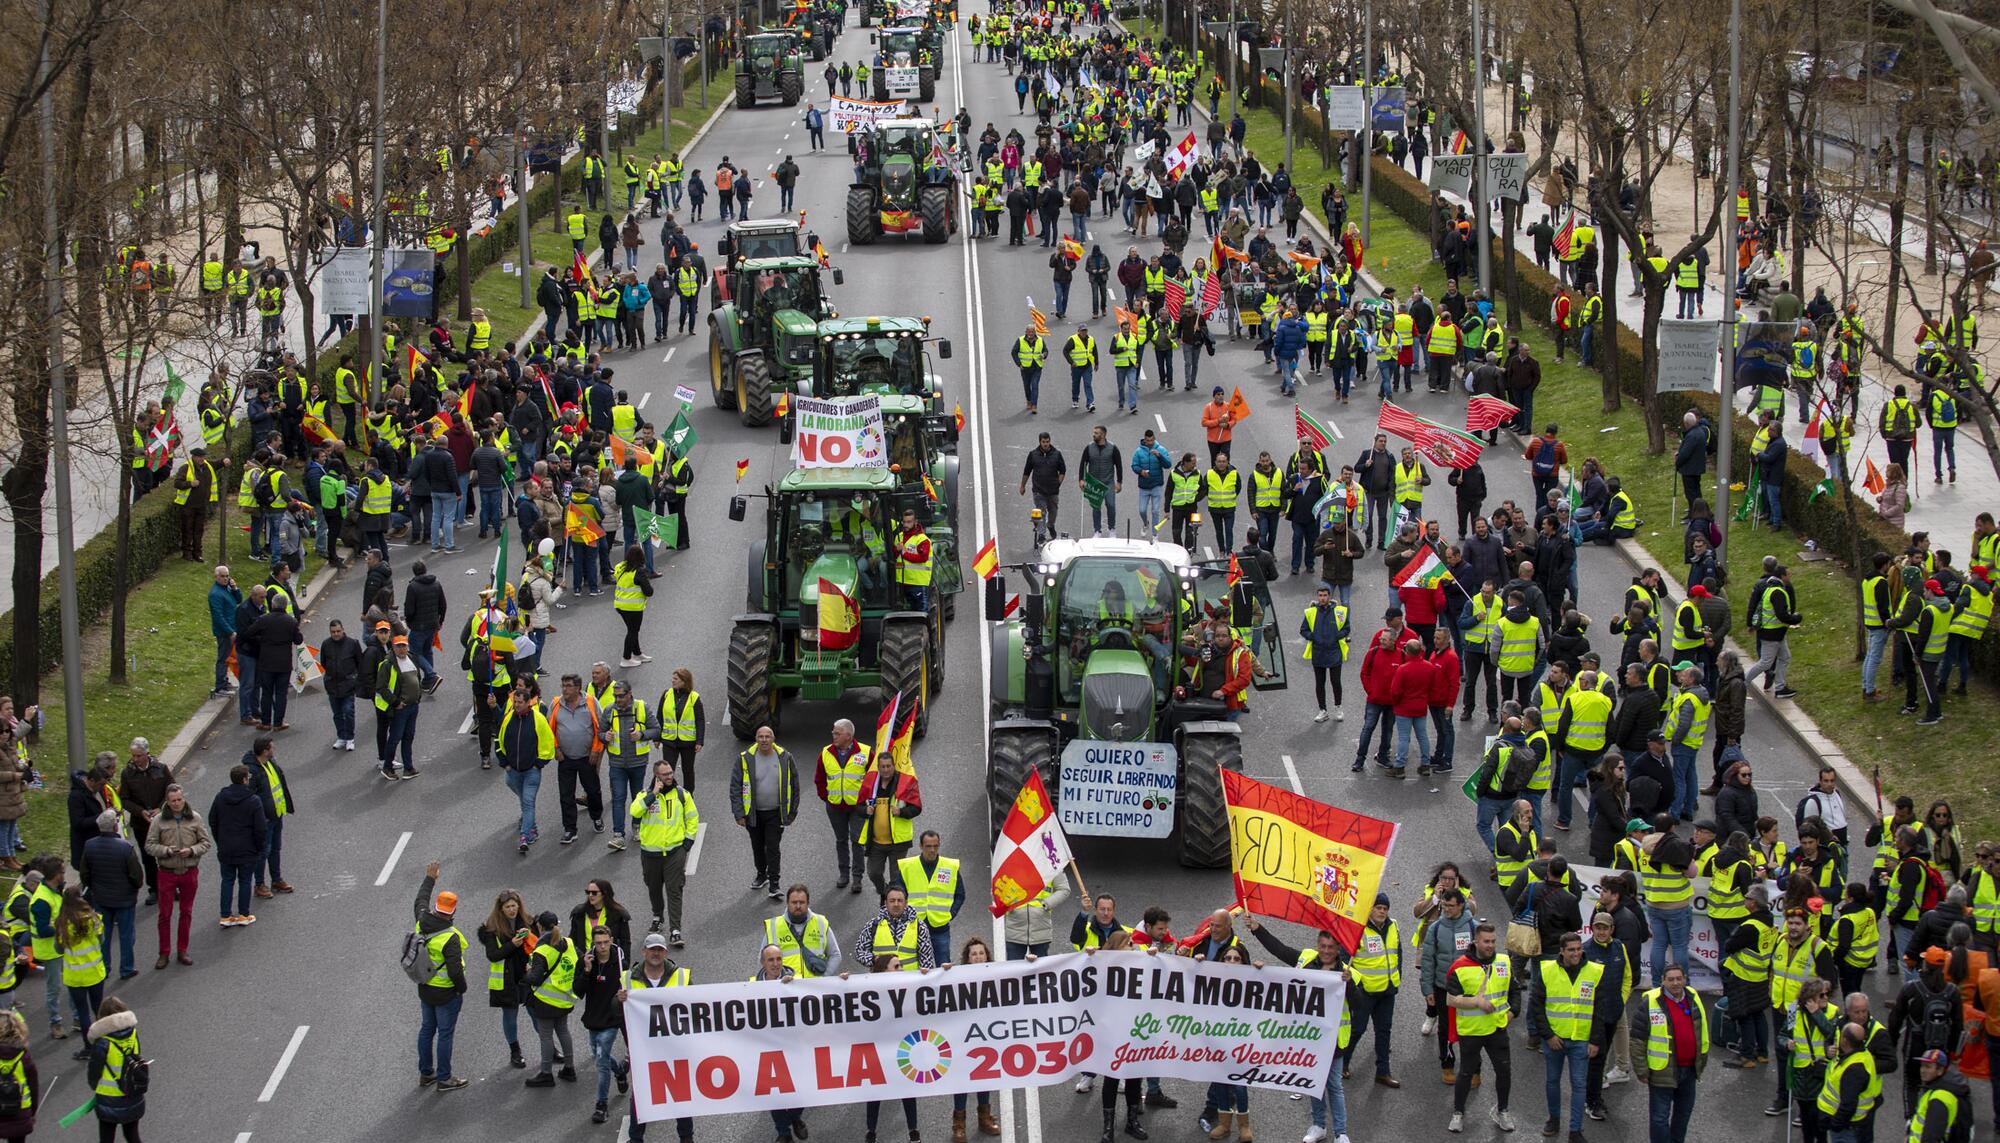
[(301, 1027)]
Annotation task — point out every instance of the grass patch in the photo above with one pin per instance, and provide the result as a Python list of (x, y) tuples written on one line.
[(1934, 763)]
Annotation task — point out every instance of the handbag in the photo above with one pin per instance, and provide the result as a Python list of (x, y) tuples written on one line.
[(1524, 935)]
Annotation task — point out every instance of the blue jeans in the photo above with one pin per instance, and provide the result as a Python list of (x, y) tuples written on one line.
[(239, 878), (1267, 527), (1574, 766), (246, 686), (223, 645), (444, 520), (1225, 528), (1079, 223), (582, 566), (1304, 536), (270, 868), (1228, 1097), (1490, 810), (1574, 1057), (421, 639), (343, 717), (491, 497), (525, 784), (1031, 384), (1152, 509), (1288, 372), (627, 782), (1957, 650), (1128, 385), (1587, 345), (1062, 298), (1944, 448), (1670, 1108), (1385, 372), (1404, 725), (1105, 515), (1081, 378), (604, 1052), (1447, 742), (1372, 714), (1333, 1096), (402, 733), (122, 920), (440, 1023), (1670, 927), (1871, 664), (1685, 786), (1774, 504), (1903, 933)]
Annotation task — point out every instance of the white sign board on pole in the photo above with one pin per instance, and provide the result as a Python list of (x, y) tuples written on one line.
[(1119, 789), (1452, 174), (1687, 354), (343, 281), (839, 432), (1346, 109), (1507, 175)]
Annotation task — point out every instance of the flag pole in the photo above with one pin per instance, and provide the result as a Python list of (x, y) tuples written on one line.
[(1082, 890)]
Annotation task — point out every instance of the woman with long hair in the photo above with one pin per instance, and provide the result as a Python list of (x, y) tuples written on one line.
[(975, 950), (600, 909), (80, 939), (505, 935), (1607, 808), (1946, 844), (631, 586), (1231, 1101), (888, 963)]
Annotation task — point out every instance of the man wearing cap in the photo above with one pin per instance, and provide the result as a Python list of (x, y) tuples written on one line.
[(443, 992), (654, 970), (398, 691), (1943, 1111)]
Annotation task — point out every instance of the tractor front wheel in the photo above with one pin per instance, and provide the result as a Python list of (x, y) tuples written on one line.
[(753, 390), (936, 205), (753, 701), (1204, 815), (721, 370), (1012, 754)]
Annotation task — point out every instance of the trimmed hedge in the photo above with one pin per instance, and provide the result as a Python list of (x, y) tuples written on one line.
[(155, 524), (1825, 519)]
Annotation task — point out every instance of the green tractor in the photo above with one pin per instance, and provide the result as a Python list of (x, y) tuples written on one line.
[(877, 11), (906, 45), (838, 526), (1095, 686), (763, 340), (770, 65), (863, 355), (907, 185)]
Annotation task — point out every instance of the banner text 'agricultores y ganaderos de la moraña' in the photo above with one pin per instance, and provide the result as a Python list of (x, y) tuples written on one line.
[(767, 1045)]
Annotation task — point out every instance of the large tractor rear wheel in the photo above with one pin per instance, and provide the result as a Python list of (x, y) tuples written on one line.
[(753, 701), (1204, 816), (1012, 753), (864, 220), (753, 390), (790, 88), (721, 370), (904, 660), (927, 84), (936, 205), (746, 89)]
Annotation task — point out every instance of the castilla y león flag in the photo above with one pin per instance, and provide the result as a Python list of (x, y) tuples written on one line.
[(1031, 852), (1303, 861)]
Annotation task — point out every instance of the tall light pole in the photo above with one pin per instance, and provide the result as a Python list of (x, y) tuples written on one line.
[(527, 254), (1726, 406), (72, 640), (1285, 77), (378, 237), (1480, 171), (1366, 137), (1235, 41)]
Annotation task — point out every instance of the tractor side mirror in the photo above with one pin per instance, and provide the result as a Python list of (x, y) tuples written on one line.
[(995, 602), (839, 278), (944, 348), (785, 430), (738, 508)]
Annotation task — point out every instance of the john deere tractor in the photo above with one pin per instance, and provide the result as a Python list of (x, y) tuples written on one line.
[(908, 44), (838, 527), (1098, 684), (770, 65), (907, 185), (764, 339), (863, 355)]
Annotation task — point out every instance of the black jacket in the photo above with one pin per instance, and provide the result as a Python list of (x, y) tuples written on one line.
[(424, 603), (379, 577), (274, 636), (1692, 457), (261, 786), (440, 470), (341, 660), (236, 818), (246, 614), (84, 807), (111, 873), (1638, 716)]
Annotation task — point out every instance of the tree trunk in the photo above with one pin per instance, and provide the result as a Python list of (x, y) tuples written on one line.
[(1930, 197), (120, 576), (1653, 304), (1899, 205), (1509, 279), (1607, 292)]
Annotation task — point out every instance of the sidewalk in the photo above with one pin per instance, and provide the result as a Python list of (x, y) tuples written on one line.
[(1681, 206)]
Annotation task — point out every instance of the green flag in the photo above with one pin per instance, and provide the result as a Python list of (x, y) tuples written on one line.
[(1823, 488), (1094, 490), (680, 434), (663, 528), (176, 388), (79, 1113), (1749, 503)]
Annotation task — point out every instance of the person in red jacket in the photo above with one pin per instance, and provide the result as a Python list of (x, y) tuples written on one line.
[(1410, 697), (1421, 608), (1444, 692), (1378, 671)]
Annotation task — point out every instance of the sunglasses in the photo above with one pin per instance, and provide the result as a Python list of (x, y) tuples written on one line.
[(593, 892)]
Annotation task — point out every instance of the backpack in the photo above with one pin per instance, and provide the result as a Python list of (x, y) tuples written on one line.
[(1934, 1030), (1933, 887), (138, 1077), (416, 957), (1901, 418), (1545, 458), (1520, 769), (1945, 408)]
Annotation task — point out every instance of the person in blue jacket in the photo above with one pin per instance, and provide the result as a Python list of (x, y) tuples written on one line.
[(1150, 463), (224, 597), (1288, 340)]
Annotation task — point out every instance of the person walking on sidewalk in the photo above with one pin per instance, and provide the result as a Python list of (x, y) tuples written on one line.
[(177, 841)]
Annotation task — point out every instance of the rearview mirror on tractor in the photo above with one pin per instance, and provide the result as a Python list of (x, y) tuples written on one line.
[(944, 348), (839, 279), (738, 508)]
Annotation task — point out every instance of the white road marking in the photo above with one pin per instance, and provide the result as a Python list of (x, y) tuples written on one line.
[(670, 354), (1292, 774), (1162, 422), (1207, 552), (643, 398), (284, 1062), (466, 726), (395, 855), (243, 1137), (694, 855), (1335, 430), (843, 248)]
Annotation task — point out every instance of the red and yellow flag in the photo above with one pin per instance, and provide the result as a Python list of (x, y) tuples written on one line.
[(987, 561), (958, 417), (742, 468), (317, 430), (839, 619), (1071, 248), (620, 448), (1303, 861), (413, 359)]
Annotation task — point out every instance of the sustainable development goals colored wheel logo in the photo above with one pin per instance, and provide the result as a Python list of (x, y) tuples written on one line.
[(923, 1056)]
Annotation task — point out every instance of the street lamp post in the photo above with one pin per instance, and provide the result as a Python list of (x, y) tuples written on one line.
[(1725, 413)]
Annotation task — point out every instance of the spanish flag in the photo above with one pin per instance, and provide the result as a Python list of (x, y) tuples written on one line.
[(414, 358), (930, 489), (839, 619), (1303, 861), (905, 737), (958, 417), (317, 430), (1040, 320), (987, 561), (1071, 248)]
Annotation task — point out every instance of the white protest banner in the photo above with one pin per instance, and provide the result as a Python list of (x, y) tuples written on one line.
[(768, 1045), (1118, 789), (1507, 175), (839, 432), (1687, 352), (847, 114), (1452, 174), (900, 80), (306, 669), (683, 394), (1346, 109), (908, 9)]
